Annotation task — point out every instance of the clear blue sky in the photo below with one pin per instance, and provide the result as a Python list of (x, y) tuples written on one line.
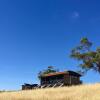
[(37, 33)]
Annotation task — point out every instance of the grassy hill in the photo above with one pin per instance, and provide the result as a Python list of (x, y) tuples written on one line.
[(83, 92)]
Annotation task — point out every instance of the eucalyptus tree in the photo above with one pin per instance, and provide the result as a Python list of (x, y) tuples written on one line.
[(88, 57)]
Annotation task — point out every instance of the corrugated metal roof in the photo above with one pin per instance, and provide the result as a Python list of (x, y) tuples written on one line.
[(60, 73), (53, 74)]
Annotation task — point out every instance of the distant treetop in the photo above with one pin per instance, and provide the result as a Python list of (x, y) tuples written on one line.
[(50, 69)]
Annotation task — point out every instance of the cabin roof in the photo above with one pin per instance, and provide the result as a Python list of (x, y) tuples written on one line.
[(61, 73)]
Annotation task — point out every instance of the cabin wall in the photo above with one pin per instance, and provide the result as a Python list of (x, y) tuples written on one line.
[(51, 80), (75, 80), (66, 79), (43, 81), (71, 80)]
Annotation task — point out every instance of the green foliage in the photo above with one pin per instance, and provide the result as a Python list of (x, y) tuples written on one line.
[(90, 59), (50, 69)]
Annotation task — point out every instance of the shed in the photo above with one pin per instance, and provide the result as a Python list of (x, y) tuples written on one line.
[(29, 86)]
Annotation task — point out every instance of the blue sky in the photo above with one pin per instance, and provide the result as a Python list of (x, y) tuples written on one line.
[(37, 33)]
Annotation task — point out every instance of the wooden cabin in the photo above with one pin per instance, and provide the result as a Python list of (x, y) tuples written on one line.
[(60, 79), (55, 79)]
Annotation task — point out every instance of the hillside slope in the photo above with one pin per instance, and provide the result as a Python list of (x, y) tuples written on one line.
[(83, 92)]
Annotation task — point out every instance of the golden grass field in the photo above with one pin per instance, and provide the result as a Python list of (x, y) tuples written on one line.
[(82, 92)]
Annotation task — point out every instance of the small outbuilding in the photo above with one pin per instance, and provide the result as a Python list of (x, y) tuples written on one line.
[(29, 86)]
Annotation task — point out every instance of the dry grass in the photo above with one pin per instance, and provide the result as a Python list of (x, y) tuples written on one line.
[(83, 92)]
